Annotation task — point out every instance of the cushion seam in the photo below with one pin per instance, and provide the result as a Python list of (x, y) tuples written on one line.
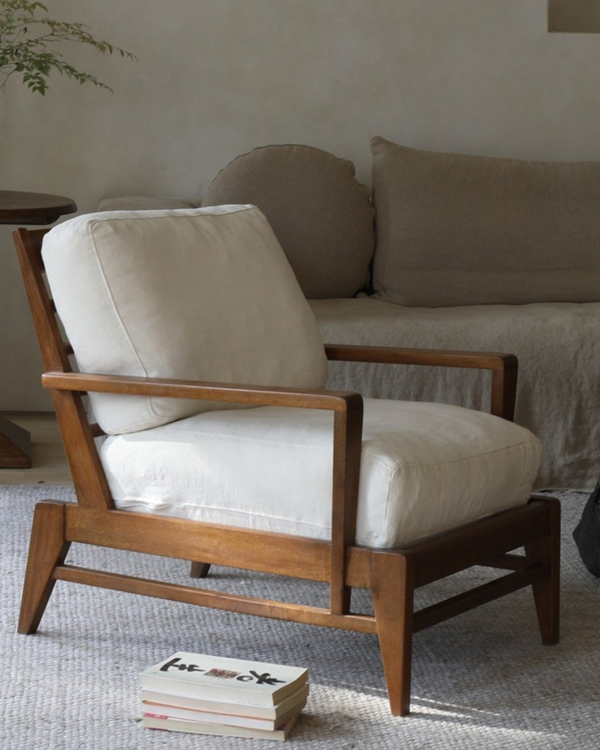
[(116, 312), (467, 458), (170, 216), (365, 451)]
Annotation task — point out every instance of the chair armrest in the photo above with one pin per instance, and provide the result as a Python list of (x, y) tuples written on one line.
[(504, 367), (347, 440), (337, 401)]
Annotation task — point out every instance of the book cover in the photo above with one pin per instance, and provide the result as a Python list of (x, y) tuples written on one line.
[(222, 679), (157, 721), (233, 720), (247, 708)]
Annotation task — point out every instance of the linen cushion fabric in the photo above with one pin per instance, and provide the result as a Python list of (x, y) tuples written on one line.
[(467, 230), (321, 215), (142, 203), (557, 345), (200, 294), (425, 468)]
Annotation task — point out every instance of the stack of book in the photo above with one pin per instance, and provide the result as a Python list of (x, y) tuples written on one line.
[(229, 697)]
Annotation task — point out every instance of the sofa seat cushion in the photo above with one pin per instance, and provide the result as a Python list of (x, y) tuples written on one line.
[(199, 294), (425, 468), (558, 347)]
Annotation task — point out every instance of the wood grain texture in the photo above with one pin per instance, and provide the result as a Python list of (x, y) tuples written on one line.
[(347, 448), (429, 357), (217, 599), (263, 551), (199, 569), (546, 592), (393, 593), (504, 367), (15, 446), (33, 208), (49, 461), (232, 393), (47, 549), (466, 546), (487, 592)]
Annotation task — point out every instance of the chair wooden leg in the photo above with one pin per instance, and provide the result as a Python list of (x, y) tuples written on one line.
[(47, 549), (392, 582), (546, 593), (199, 569)]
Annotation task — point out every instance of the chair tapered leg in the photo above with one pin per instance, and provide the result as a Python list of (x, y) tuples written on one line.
[(393, 589), (47, 549), (199, 570), (546, 593)]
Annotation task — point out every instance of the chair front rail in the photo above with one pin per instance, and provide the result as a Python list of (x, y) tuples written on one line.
[(347, 439), (504, 367), (296, 556)]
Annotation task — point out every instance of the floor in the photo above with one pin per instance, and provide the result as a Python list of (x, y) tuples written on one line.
[(49, 459), (481, 681)]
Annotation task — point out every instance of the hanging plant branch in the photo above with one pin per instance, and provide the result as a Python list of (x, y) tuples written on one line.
[(28, 46)]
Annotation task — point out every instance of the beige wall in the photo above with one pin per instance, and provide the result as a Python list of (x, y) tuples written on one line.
[(218, 77)]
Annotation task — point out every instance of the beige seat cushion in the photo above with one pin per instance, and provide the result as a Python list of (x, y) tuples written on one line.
[(557, 344), (199, 294), (425, 468), (466, 230), (321, 215)]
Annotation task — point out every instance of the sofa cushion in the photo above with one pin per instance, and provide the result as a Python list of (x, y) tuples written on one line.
[(557, 344), (142, 203), (321, 215), (425, 468), (200, 294), (468, 230)]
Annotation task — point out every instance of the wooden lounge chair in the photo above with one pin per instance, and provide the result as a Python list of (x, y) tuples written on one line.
[(338, 555)]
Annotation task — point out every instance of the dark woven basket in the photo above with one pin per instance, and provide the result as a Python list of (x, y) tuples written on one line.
[(587, 533)]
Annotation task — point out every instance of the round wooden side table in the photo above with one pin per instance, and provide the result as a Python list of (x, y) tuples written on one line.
[(25, 209)]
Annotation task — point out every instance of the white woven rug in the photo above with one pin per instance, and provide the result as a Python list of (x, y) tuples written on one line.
[(482, 680)]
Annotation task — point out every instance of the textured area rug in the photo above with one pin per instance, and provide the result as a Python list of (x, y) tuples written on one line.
[(481, 680)]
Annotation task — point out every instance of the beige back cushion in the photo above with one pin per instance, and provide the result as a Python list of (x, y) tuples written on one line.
[(142, 203), (321, 215), (199, 294), (466, 230)]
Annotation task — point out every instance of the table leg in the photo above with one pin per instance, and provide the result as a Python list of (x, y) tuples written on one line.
[(15, 446)]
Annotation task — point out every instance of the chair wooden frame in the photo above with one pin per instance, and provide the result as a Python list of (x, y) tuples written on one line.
[(392, 575)]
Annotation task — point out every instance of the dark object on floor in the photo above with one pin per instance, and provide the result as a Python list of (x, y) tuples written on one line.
[(587, 533)]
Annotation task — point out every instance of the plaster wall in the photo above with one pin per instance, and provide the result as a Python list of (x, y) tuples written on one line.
[(215, 79)]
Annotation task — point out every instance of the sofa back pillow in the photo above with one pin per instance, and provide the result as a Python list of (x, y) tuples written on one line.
[(467, 230), (321, 215), (199, 294)]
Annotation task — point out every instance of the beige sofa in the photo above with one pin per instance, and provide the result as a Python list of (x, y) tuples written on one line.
[(449, 251)]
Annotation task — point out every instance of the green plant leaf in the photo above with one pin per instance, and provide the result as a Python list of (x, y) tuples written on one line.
[(28, 46)]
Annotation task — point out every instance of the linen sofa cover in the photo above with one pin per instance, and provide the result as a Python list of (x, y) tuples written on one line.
[(468, 230), (200, 294), (558, 347), (425, 468), (319, 212)]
